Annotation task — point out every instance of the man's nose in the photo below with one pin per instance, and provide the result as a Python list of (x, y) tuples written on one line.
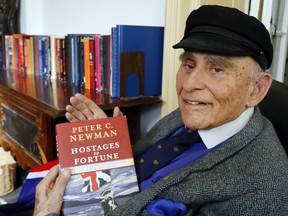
[(195, 80)]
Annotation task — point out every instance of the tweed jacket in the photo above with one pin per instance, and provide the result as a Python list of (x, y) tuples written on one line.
[(247, 175)]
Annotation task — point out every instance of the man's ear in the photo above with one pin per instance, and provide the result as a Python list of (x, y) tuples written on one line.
[(259, 89)]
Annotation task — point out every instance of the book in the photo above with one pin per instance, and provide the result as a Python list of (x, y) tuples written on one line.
[(146, 39), (98, 63), (106, 57), (99, 155), (55, 56)]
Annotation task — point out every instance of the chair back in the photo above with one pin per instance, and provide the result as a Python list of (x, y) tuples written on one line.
[(275, 107)]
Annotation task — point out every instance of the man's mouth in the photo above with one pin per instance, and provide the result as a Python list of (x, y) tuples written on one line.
[(195, 102)]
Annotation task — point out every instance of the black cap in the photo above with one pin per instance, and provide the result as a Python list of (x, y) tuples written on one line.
[(227, 31)]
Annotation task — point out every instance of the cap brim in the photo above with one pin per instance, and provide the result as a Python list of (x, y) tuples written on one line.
[(212, 43)]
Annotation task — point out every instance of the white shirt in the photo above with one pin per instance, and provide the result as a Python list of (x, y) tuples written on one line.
[(215, 136)]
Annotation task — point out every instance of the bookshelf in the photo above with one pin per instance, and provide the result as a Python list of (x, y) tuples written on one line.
[(30, 107)]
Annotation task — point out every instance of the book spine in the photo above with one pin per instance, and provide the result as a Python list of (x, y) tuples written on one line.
[(75, 59), (86, 63), (40, 58), (104, 63), (32, 65), (46, 56), (116, 63), (53, 57), (81, 62), (36, 61), (72, 60), (15, 53), (27, 55), (8, 49), (58, 57), (63, 60), (92, 64), (3, 51), (108, 65), (98, 63)]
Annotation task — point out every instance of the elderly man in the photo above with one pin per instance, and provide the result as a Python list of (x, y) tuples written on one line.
[(237, 166)]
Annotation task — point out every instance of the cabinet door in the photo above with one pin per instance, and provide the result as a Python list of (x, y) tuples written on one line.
[(23, 133)]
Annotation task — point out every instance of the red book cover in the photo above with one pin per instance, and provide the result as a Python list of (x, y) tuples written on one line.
[(92, 63), (98, 74), (58, 57), (99, 155)]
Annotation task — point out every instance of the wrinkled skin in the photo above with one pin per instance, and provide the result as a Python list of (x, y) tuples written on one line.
[(213, 89)]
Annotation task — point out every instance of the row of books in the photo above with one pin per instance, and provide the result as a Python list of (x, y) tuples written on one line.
[(90, 60)]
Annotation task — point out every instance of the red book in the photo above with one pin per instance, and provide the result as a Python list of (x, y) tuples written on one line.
[(99, 155), (98, 64), (92, 64)]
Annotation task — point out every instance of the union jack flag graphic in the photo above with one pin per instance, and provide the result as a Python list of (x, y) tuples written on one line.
[(94, 180)]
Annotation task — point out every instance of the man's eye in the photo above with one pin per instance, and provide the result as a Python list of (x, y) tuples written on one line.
[(188, 66), (217, 70)]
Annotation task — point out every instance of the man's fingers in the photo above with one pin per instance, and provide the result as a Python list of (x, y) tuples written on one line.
[(50, 191), (49, 179), (117, 112), (45, 184), (79, 109), (88, 104), (60, 184), (73, 115)]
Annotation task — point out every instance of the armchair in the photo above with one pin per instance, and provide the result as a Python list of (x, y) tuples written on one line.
[(275, 107)]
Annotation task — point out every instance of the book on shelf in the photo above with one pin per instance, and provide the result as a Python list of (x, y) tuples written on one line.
[(92, 61), (136, 38), (99, 154), (106, 64), (98, 61), (55, 52)]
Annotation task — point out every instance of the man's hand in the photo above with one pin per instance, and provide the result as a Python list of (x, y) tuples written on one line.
[(82, 108), (50, 191)]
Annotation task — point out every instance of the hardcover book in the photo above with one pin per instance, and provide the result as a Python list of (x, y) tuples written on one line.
[(135, 38), (99, 155)]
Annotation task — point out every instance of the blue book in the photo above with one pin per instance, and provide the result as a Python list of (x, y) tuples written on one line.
[(146, 39), (40, 53)]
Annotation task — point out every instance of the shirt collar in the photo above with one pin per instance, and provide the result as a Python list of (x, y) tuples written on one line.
[(215, 136)]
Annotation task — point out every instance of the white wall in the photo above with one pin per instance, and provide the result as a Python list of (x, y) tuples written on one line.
[(58, 17), (87, 16)]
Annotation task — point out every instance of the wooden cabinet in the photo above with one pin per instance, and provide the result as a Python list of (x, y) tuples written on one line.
[(30, 107)]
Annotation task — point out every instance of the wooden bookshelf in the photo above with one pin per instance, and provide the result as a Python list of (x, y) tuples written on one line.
[(32, 106)]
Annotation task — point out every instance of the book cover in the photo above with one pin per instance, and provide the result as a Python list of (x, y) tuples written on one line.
[(101, 161), (106, 66), (36, 57), (63, 60), (32, 60), (87, 80), (19, 52), (146, 39), (27, 55), (69, 60), (92, 65), (98, 63), (55, 56), (75, 59)]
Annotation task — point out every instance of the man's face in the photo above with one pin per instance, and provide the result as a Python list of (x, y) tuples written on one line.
[(213, 89)]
